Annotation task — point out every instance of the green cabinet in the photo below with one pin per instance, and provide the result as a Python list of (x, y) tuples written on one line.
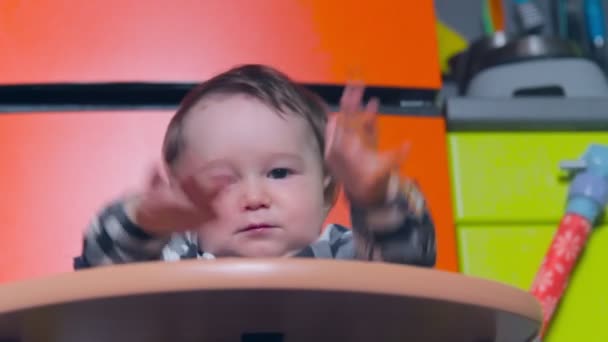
[(509, 196), (509, 254), (512, 254), (513, 176)]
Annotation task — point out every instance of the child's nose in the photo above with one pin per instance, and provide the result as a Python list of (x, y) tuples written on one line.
[(255, 196)]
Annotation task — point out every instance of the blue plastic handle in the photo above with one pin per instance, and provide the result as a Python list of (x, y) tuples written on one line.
[(594, 14), (588, 193)]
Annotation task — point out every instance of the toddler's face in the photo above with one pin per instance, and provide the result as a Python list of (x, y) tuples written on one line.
[(273, 202)]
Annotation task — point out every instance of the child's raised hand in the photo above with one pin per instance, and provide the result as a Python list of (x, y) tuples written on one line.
[(163, 208), (351, 152)]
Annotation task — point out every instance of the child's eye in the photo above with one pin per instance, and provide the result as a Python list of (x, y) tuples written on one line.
[(279, 173)]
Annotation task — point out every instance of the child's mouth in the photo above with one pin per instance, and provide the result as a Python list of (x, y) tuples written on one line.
[(258, 227)]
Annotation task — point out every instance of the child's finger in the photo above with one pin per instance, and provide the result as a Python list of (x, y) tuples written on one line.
[(346, 99), (177, 198), (351, 98), (345, 157), (372, 105), (330, 130), (185, 212), (200, 190), (369, 121), (336, 134), (357, 97), (351, 147)]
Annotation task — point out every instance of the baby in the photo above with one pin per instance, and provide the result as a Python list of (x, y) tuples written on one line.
[(252, 166)]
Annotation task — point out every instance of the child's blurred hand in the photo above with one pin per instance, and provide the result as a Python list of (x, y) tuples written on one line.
[(163, 208), (351, 152)]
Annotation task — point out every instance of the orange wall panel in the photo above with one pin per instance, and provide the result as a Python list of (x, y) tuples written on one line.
[(60, 168), (57, 170), (388, 42)]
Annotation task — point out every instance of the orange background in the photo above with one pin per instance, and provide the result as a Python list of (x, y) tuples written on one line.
[(389, 42), (59, 168)]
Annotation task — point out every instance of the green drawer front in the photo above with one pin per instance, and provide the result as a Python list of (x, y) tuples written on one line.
[(512, 255), (513, 177)]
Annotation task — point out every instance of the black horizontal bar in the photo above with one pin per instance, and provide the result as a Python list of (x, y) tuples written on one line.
[(102, 96), (527, 114)]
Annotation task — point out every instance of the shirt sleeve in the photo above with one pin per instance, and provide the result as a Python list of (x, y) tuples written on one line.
[(336, 242), (112, 238), (400, 230)]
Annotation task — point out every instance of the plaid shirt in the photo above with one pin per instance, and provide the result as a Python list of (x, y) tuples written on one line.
[(398, 231)]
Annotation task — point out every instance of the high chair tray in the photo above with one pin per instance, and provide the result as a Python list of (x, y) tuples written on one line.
[(265, 300)]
